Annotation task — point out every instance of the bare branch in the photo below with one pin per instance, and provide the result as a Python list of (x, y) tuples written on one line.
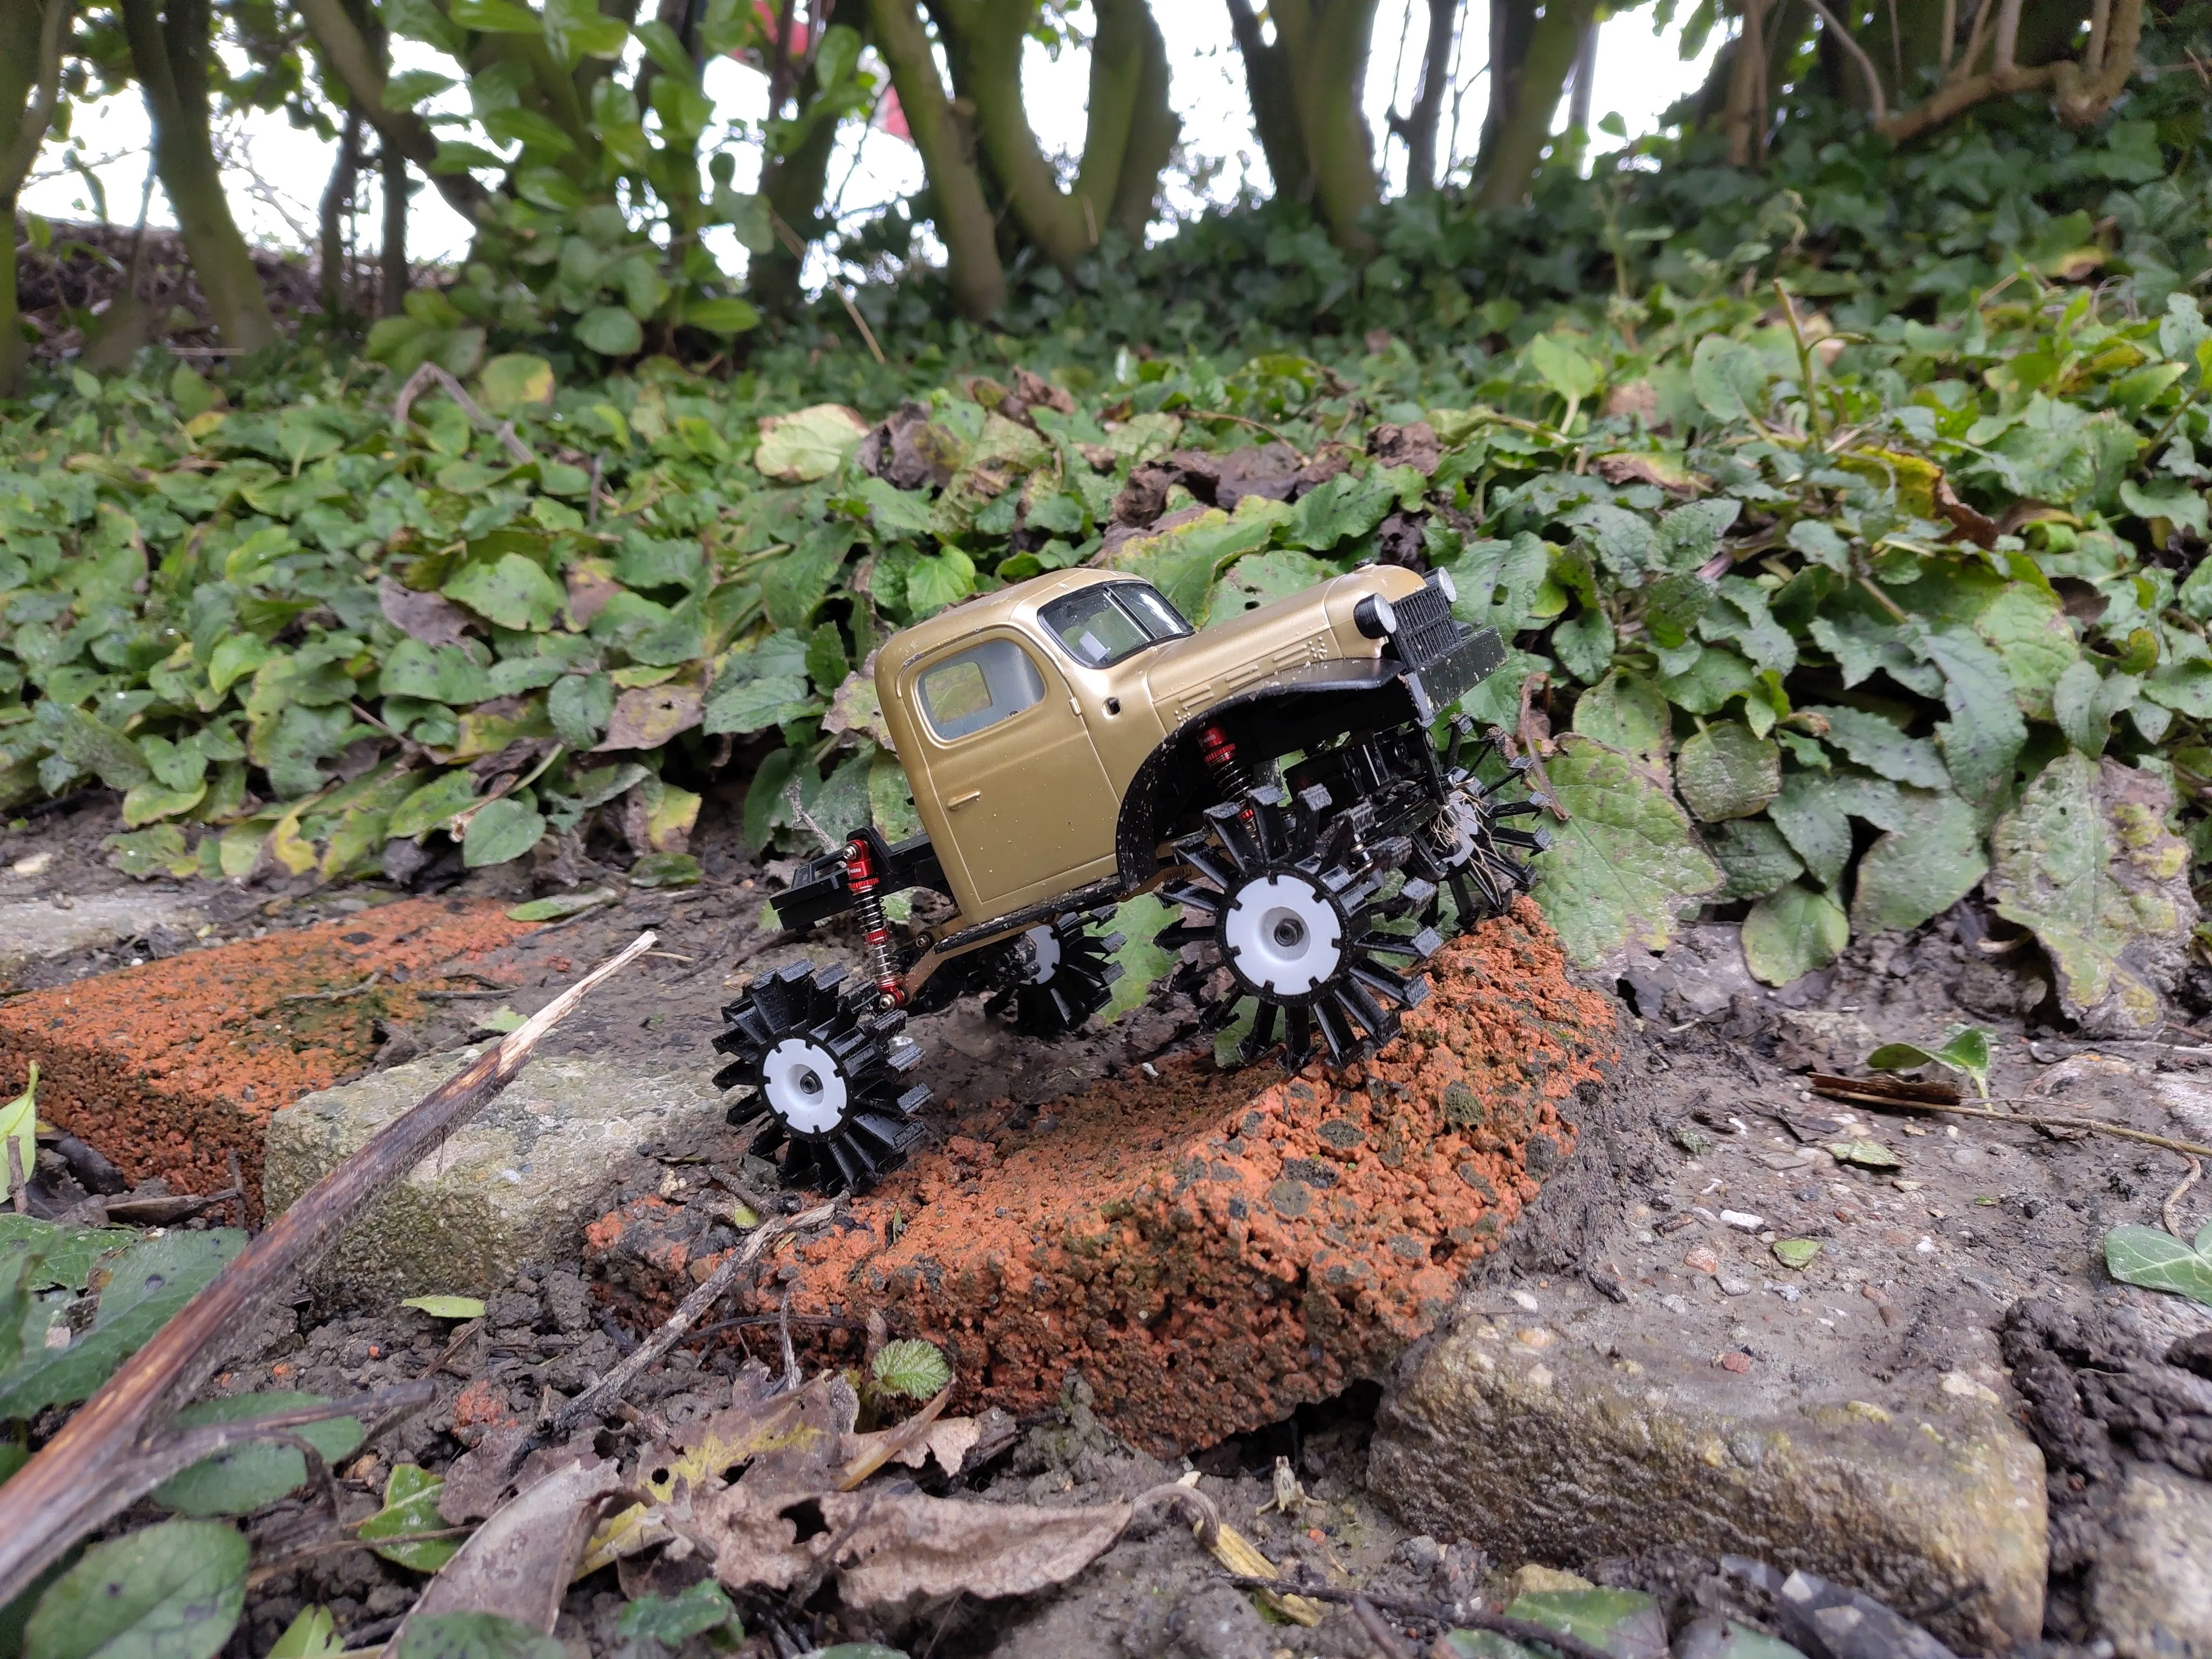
[(1878, 103), (31, 134)]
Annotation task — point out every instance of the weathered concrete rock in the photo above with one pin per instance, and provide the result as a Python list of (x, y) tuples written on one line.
[(2152, 1590), (1564, 1454), (1208, 1250), (517, 1183), (169, 1067), (34, 929)]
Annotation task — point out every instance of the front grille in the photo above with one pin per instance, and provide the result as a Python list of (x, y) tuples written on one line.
[(1427, 630)]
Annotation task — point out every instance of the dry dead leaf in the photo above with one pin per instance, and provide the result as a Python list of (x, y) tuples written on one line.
[(430, 618), (889, 1546), (648, 716), (945, 1442), (516, 1564)]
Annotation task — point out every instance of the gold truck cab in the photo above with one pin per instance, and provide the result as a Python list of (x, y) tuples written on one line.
[(1022, 719)]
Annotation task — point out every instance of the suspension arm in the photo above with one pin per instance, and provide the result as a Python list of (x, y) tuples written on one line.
[(823, 888)]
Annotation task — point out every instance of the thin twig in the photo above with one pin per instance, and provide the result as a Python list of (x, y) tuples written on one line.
[(2166, 1212), (1378, 1631), (2038, 1120), (17, 1186), (610, 1386), (783, 1332), (1857, 54), (335, 996)]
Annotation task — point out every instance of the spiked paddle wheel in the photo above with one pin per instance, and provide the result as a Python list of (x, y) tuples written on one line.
[(1288, 892), (827, 1065), (1059, 974), (1466, 845)]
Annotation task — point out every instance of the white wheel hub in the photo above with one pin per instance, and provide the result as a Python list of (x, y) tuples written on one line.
[(1044, 954), (802, 1085), (1281, 934)]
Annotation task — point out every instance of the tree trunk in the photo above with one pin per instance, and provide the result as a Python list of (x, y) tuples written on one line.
[(30, 85), (362, 69), (1510, 162), (1419, 128), (392, 259), (1585, 71), (1153, 128), (793, 185), (1326, 42), (1274, 109), (962, 216), (170, 42), (336, 206), (1744, 122)]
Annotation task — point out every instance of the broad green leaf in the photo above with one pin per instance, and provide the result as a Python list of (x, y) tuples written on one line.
[(254, 1475), (1877, 745), (1183, 563), (1624, 712), (2084, 862), (555, 906), (65, 1256), (433, 807), (1724, 772), (411, 1506), (2084, 701), (827, 664), (446, 1307), (1617, 1621), (666, 870), (1262, 578), (809, 444), (725, 317), (1728, 378), (147, 1283), (1796, 1253), (437, 673), (312, 1635), (580, 707), (472, 1636), (514, 382), (915, 1369), (1339, 510), (889, 801), (673, 1620), (1917, 871), (1983, 736), (19, 1124), (611, 331), (515, 592), (1563, 368), (501, 830), (793, 586), (173, 1590), (938, 580), (1584, 644), (2159, 1262), (1624, 865), (1790, 932), (1142, 963), (1753, 856)]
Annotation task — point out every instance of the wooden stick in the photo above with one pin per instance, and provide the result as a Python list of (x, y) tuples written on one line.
[(94, 1467), (687, 1315), (1869, 1095)]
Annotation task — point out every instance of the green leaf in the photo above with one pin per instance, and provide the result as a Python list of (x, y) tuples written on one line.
[(65, 1256), (938, 580), (1878, 745), (18, 1123), (1865, 1154), (1624, 712), (726, 317), (1753, 857), (2084, 701), (433, 807), (1584, 644), (446, 1307), (1727, 378), (1724, 772), (253, 1476), (436, 673), (1339, 510), (1143, 961), (1623, 864), (173, 1590), (915, 1369), (502, 830), (555, 906), (1985, 732), (1900, 1057), (826, 663), (519, 380), (471, 1636), (611, 331), (1796, 1253), (1792, 932), (515, 592), (666, 870), (890, 803), (1262, 578), (673, 1620), (794, 585), (495, 16), (1563, 368), (147, 1284), (2171, 500), (314, 1634), (153, 852), (1921, 869), (580, 707), (808, 444), (410, 1505), (2086, 863), (2159, 1262)]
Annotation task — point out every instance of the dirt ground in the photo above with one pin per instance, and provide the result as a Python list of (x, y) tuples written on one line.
[(1968, 1256)]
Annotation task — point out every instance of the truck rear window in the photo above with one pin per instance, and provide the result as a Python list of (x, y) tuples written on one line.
[(979, 688), (1099, 626)]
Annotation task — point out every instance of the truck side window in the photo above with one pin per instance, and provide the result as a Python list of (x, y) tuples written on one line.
[(980, 687)]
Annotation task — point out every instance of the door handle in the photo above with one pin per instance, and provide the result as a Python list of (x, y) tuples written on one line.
[(960, 801)]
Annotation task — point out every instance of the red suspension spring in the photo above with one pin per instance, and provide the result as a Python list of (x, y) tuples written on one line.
[(862, 879), (1230, 776)]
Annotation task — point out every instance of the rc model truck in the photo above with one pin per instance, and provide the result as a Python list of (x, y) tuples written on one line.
[(1072, 742)]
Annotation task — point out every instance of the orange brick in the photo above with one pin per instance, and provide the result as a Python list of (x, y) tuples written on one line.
[(169, 1067)]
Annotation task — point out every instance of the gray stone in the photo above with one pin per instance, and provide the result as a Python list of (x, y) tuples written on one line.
[(38, 929), (2152, 1593), (1578, 1455), (517, 1183), (1218, 1622)]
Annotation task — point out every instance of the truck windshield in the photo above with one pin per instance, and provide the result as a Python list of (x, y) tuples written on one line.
[(1099, 626)]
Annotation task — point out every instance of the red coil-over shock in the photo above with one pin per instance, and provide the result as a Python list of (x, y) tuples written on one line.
[(863, 878), (1230, 776)]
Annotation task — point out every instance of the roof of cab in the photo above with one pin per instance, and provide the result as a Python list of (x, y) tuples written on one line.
[(1016, 605)]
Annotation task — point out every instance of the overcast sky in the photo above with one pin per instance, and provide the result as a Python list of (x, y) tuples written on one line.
[(279, 172)]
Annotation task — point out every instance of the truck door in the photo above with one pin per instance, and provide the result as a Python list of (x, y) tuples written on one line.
[(1010, 788)]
